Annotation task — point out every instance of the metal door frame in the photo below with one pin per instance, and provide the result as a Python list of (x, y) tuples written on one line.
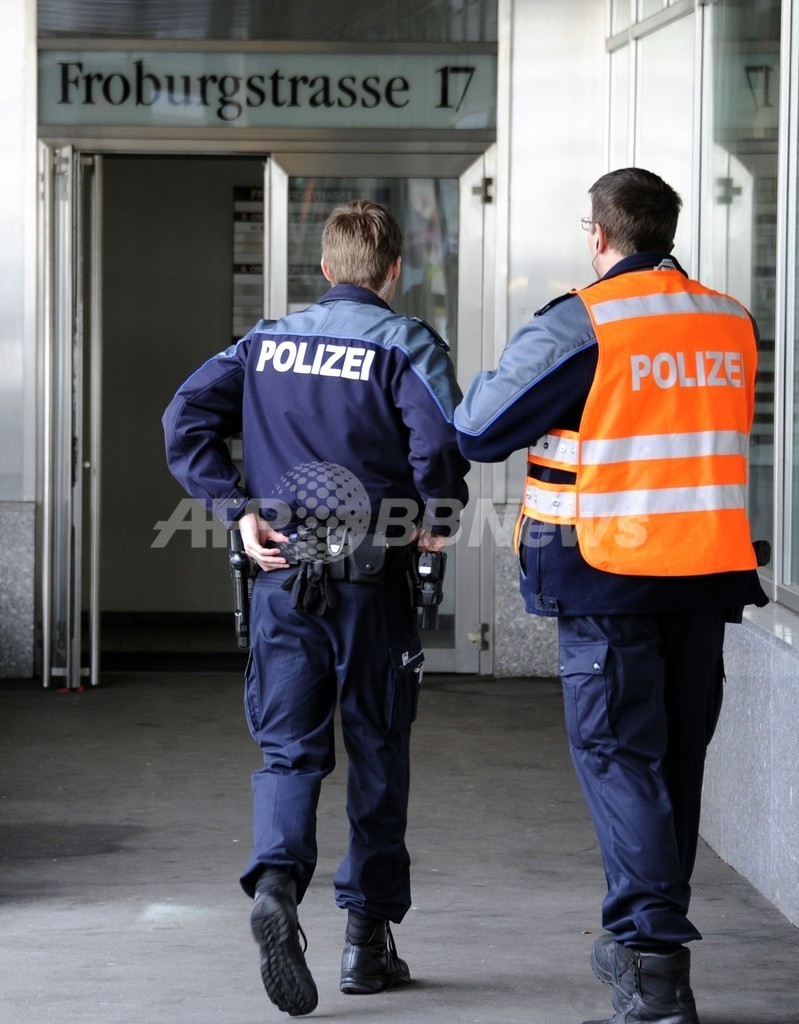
[(70, 292), (70, 332), (473, 554)]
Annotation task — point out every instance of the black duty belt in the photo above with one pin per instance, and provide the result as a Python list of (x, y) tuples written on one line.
[(369, 563)]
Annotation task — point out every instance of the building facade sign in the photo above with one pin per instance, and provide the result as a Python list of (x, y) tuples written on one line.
[(267, 90)]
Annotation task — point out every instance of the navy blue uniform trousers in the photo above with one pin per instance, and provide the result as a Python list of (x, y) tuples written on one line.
[(642, 695), (366, 654)]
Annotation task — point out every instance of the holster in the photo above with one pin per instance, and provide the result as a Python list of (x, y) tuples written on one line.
[(311, 585), (367, 563)]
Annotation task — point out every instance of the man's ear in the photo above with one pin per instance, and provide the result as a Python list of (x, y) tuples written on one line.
[(326, 272)]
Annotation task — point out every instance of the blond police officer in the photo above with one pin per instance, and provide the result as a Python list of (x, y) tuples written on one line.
[(634, 398), (345, 410)]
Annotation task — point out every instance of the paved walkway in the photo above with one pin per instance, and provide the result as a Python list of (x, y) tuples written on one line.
[(125, 820)]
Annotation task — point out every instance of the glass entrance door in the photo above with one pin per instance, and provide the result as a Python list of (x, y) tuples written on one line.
[(71, 345), (436, 215), (427, 211), (444, 219)]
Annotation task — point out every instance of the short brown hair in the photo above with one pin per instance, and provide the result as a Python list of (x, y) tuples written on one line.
[(360, 242), (636, 209)]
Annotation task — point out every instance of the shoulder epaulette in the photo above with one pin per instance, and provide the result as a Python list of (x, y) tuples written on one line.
[(436, 336), (553, 302)]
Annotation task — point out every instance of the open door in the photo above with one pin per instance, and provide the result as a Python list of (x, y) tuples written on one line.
[(69, 303), (275, 241), (474, 552), (446, 222)]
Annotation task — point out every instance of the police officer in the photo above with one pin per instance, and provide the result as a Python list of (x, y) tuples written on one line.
[(345, 410), (634, 397)]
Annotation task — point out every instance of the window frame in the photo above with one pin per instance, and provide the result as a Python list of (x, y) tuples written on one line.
[(776, 578)]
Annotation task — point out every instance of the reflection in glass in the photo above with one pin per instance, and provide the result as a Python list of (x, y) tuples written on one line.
[(427, 212), (738, 234), (619, 148), (664, 117), (793, 482), (392, 21), (648, 7), (619, 16)]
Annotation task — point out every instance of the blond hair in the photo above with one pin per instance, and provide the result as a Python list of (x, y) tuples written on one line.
[(360, 243)]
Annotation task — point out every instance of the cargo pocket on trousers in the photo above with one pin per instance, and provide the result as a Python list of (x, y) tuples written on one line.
[(252, 704), (585, 702), (402, 692)]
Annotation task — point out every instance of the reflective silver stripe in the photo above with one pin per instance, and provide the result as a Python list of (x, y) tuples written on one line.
[(660, 304), (665, 499), (556, 449), (645, 447), (557, 504)]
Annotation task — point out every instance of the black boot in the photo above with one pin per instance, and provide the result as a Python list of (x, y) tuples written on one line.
[(369, 962), (610, 960), (648, 988), (287, 980), (614, 965)]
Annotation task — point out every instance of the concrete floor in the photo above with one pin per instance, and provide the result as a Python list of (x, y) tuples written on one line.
[(125, 820)]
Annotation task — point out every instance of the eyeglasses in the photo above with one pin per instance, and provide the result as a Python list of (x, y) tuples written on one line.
[(586, 223)]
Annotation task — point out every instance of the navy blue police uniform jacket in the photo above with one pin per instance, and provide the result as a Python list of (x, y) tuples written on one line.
[(541, 383), (346, 381)]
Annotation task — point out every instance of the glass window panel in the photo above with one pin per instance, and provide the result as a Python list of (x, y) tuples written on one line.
[(619, 148), (427, 211), (792, 516), (648, 7), (391, 21), (791, 504), (664, 116), (619, 15), (738, 228)]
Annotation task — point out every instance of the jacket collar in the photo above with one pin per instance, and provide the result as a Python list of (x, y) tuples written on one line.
[(641, 261), (354, 293)]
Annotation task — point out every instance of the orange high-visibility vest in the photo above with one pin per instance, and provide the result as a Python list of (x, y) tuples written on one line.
[(659, 463)]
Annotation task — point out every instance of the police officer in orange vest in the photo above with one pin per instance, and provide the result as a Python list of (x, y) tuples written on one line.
[(634, 397)]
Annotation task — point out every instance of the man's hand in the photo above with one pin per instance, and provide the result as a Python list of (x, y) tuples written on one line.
[(432, 541), (256, 533)]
